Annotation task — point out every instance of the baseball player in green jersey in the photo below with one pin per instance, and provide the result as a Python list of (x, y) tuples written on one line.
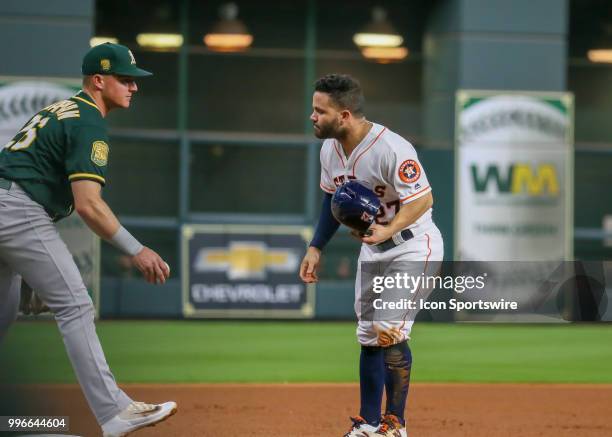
[(56, 164)]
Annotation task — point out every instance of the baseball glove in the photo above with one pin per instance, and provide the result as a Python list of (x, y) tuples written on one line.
[(30, 302)]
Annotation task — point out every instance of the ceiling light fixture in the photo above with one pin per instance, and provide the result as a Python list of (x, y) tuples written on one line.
[(385, 55), (159, 41), (229, 34), (97, 40), (379, 32), (600, 55)]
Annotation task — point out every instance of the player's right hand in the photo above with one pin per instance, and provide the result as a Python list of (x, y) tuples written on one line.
[(310, 265), (151, 265)]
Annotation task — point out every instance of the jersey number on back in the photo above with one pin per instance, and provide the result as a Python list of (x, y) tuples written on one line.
[(29, 132)]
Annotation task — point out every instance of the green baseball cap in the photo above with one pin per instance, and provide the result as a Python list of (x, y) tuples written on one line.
[(109, 58)]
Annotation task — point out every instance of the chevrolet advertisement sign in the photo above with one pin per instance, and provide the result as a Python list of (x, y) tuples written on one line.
[(245, 271)]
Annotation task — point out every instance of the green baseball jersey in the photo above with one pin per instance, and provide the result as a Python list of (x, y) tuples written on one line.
[(65, 142)]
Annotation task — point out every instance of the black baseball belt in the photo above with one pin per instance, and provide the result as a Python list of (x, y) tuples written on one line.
[(396, 240)]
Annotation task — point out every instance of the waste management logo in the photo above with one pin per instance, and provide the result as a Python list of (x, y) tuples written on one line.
[(516, 179)]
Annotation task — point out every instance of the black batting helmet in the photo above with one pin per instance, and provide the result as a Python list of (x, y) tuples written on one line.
[(355, 205)]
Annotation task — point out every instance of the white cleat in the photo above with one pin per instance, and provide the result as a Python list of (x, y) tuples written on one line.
[(390, 426), (360, 428), (137, 415)]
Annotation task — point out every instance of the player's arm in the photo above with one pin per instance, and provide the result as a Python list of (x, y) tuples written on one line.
[(326, 228), (407, 215), (100, 218)]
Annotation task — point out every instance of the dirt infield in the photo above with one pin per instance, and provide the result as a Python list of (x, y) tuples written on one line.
[(434, 410)]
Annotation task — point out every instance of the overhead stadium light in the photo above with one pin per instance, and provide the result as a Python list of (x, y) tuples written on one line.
[(229, 34), (385, 55), (379, 32), (159, 41), (228, 42), (377, 40), (600, 55), (97, 40)]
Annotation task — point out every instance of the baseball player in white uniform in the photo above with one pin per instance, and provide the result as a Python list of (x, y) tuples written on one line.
[(355, 148)]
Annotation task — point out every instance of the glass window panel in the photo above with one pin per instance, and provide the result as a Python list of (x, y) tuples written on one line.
[(592, 88), (244, 93), (247, 179), (142, 177), (260, 90), (595, 250), (593, 180)]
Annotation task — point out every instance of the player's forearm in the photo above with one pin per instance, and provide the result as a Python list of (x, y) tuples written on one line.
[(99, 218), (410, 213), (327, 225)]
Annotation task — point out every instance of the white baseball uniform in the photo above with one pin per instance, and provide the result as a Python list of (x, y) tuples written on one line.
[(390, 164)]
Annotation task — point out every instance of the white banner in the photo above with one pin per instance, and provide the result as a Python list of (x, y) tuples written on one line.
[(514, 176), (22, 97)]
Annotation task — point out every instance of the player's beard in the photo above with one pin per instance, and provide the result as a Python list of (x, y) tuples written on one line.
[(330, 130)]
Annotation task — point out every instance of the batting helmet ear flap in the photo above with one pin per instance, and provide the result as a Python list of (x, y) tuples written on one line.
[(355, 205)]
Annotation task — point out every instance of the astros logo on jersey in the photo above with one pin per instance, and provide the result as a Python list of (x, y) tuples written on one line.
[(409, 171)]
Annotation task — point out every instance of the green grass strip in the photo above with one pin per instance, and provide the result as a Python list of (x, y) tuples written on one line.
[(198, 351)]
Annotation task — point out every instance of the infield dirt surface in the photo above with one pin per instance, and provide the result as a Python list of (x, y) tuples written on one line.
[(321, 410)]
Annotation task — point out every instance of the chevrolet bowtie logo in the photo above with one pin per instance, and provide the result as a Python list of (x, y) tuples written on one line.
[(246, 260)]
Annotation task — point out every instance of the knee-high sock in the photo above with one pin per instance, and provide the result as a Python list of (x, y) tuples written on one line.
[(372, 382), (398, 362)]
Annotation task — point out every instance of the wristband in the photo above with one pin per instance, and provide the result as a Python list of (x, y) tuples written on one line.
[(126, 242)]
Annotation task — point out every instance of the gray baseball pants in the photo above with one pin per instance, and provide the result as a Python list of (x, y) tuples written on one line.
[(30, 247)]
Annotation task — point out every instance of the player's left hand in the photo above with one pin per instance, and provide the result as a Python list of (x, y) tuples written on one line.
[(377, 234), (154, 269), (310, 265)]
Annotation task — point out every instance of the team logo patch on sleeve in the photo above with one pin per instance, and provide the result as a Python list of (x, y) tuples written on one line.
[(99, 153), (409, 171)]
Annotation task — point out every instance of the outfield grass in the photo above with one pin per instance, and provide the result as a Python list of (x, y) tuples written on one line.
[(196, 351)]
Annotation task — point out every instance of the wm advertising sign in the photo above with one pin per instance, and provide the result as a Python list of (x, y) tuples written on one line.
[(245, 271), (517, 179), (513, 191)]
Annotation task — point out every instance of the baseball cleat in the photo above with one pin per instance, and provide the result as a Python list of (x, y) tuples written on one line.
[(390, 426), (360, 428), (137, 415)]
